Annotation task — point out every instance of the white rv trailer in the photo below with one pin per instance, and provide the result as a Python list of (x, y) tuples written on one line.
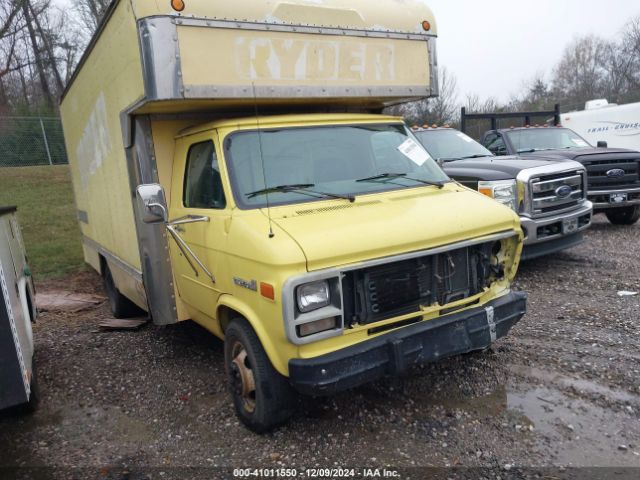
[(17, 311), (601, 121)]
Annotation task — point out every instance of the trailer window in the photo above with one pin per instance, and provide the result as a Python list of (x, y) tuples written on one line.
[(202, 180)]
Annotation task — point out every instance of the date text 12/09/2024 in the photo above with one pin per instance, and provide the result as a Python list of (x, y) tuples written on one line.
[(315, 473)]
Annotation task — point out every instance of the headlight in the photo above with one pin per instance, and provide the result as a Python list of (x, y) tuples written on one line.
[(312, 296), (503, 191)]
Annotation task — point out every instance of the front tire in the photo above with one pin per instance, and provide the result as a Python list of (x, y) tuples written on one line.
[(624, 215), (263, 399)]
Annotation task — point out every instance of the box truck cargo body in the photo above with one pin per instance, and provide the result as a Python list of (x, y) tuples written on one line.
[(230, 166), (17, 312)]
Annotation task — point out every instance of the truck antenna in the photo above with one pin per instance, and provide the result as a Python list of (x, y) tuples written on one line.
[(264, 173)]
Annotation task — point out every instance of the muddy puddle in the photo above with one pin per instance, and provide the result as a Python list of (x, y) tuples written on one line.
[(568, 428)]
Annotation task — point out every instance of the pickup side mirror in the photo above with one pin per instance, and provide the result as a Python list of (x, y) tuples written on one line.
[(602, 144), (152, 203)]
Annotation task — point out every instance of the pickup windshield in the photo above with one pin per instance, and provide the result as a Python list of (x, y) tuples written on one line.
[(303, 164), (537, 139), (451, 145)]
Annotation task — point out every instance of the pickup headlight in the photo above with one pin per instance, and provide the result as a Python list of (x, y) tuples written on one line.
[(503, 191), (312, 296)]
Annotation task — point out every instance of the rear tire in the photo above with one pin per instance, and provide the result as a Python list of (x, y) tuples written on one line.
[(121, 306), (624, 215), (263, 399)]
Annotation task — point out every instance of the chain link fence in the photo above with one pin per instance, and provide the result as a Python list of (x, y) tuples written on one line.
[(30, 141)]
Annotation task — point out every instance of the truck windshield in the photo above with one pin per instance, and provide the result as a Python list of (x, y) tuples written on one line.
[(449, 145), (536, 139), (312, 163)]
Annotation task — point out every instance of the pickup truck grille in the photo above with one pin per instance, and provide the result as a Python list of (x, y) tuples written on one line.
[(600, 178), (387, 291), (557, 192)]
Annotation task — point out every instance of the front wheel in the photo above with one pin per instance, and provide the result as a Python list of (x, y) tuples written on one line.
[(624, 215), (263, 398)]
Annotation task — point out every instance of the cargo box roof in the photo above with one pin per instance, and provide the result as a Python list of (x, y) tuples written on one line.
[(404, 16)]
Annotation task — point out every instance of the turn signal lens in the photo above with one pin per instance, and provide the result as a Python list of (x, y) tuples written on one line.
[(177, 5), (318, 326), (426, 26), (267, 291)]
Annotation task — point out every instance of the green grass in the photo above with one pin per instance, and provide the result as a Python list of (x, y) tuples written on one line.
[(47, 214)]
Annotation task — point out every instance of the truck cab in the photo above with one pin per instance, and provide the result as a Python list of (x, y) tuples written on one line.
[(217, 184), (613, 173), (549, 196)]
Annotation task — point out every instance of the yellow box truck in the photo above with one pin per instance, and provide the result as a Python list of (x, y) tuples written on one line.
[(231, 167)]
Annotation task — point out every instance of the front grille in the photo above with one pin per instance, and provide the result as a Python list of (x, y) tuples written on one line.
[(599, 171), (386, 291), (548, 196)]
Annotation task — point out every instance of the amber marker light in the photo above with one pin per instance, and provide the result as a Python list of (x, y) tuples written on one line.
[(267, 291), (426, 26), (177, 5)]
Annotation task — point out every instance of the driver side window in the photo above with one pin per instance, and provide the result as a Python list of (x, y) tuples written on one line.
[(495, 144), (202, 179)]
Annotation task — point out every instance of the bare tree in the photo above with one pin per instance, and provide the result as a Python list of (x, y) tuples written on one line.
[(90, 13), (631, 50), (582, 73), (440, 110)]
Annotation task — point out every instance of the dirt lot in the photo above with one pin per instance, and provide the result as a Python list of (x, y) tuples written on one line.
[(563, 389)]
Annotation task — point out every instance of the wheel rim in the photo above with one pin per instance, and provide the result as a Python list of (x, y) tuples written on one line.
[(242, 379)]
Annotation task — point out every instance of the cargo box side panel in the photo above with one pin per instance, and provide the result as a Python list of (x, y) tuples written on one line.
[(301, 65), (15, 354), (108, 82)]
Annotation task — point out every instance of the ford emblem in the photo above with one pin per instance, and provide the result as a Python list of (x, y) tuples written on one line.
[(564, 191), (615, 173)]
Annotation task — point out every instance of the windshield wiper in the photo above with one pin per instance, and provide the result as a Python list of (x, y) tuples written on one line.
[(391, 176), (529, 150), (466, 157), (475, 155), (303, 188)]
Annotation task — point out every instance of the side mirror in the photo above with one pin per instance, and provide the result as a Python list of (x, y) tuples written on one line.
[(602, 144), (152, 203)]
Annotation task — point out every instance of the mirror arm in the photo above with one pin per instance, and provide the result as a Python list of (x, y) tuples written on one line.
[(178, 241), (165, 215), (187, 251), (188, 219)]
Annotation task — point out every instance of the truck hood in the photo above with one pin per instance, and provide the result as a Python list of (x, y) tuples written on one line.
[(581, 154), (493, 168), (375, 226)]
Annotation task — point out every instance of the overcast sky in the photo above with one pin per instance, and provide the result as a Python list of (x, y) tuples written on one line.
[(493, 46)]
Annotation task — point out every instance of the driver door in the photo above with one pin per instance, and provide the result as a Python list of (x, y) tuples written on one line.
[(198, 213)]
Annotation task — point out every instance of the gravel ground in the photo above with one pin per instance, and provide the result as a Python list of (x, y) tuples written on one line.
[(562, 390)]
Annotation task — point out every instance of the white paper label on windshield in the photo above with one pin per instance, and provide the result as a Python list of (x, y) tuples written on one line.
[(464, 137), (414, 152), (579, 142)]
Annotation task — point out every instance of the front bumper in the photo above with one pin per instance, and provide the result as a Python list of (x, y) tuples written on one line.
[(600, 198), (548, 229), (394, 352)]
